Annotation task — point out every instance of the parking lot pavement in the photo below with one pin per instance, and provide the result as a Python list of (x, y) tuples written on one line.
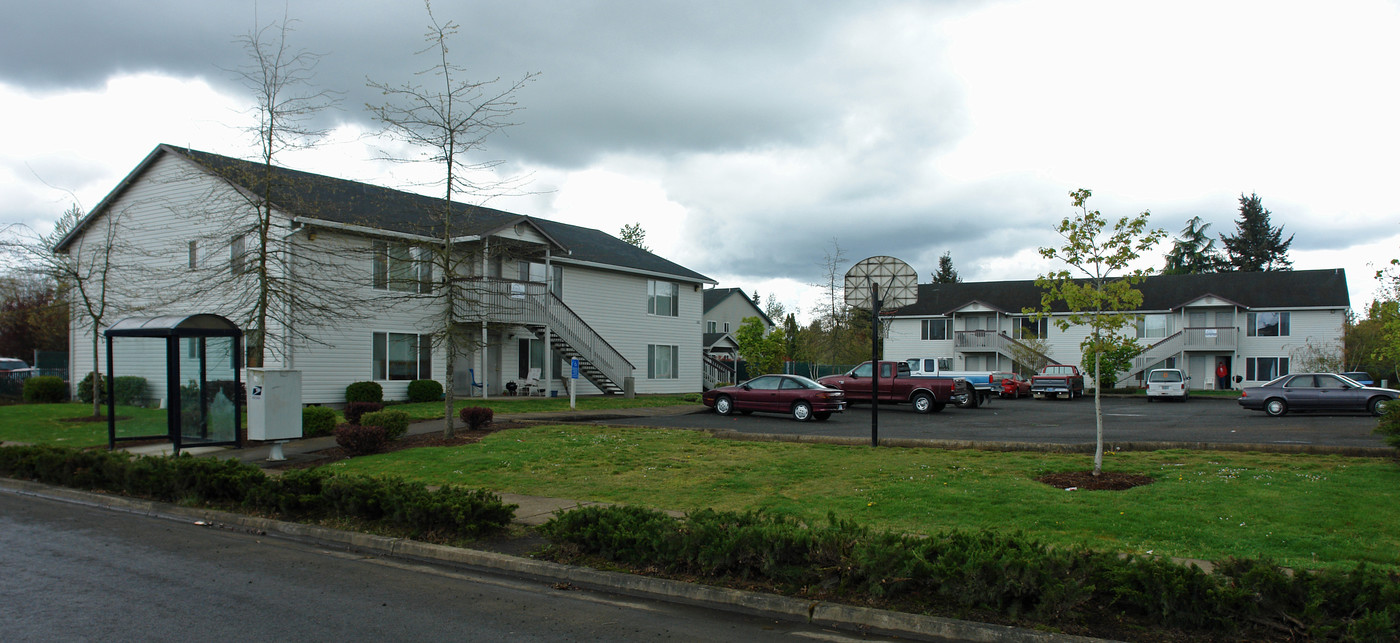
[(1130, 422)]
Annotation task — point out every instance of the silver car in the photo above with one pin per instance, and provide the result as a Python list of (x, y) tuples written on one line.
[(1316, 392)]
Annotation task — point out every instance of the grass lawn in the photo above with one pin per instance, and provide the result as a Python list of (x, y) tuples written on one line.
[(53, 424), (1301, 511), (434, 410)]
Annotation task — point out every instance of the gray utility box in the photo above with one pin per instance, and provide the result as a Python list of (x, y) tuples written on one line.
[(274, 404)]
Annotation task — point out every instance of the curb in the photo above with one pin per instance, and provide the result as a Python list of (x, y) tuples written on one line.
[(834, 615)]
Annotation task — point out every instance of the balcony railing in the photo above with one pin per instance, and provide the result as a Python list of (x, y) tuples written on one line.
[(1210, 337)]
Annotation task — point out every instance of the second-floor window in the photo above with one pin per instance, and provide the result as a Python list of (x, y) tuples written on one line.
[(663, 298), (1152, 326), (237, 262), (1032, 328), (399, 267), (710, 327), (1268, 325), (934, 329)]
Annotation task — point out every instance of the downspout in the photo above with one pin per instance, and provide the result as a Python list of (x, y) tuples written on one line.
[(481, 352)]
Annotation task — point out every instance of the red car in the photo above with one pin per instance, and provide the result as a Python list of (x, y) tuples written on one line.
[(804, 398), (1011, 385)]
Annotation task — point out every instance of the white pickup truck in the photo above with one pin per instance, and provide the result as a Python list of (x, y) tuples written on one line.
[(981, 381)]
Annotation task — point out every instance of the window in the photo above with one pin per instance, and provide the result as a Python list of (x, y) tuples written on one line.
[(194, 263), (531, 355), (710, 326), (726, 327), (662, 362), (402, 268), (557, 287), (1267, 325), (402, 356), (934, 329), (1263, 369), (1031, 328), (236, 263), (530, 271), (1152, 326), (663, 298), (192, 347)]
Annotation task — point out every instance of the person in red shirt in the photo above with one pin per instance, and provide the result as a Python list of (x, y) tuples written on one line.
[(1222, 375)]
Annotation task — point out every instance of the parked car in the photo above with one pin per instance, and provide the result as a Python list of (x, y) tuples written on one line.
[(1316, 392), (1055, 379), (1011, 385), (804, 398), (1168, 383), (15, 369), (1359, 377)]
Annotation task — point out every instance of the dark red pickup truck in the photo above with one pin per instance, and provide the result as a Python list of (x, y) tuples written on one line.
[(927, 394), (1055, 379)]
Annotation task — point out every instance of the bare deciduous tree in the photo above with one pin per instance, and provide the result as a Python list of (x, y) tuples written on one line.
[(451, 117)]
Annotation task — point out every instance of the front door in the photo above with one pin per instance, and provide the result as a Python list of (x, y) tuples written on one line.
[(1198, 368)]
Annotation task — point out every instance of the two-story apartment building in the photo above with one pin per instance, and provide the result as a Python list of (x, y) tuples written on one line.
[(529, 293), (1257, 324), (725, 311)]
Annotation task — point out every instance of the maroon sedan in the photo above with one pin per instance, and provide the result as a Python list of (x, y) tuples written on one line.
[(803, 398)]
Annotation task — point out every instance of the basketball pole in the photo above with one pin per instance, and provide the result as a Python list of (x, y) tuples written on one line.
[(875, 363)]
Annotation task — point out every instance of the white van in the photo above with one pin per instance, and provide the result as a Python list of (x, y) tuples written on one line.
[(1168, 383)]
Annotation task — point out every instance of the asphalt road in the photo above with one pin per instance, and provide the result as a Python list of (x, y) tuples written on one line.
[(1063, 422), (75, 573)]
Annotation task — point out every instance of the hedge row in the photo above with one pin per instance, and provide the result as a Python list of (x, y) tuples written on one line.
[(953, 572), (448, 512)]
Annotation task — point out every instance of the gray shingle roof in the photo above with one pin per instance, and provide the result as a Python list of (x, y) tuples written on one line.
[(315, 196), (1287, 289)]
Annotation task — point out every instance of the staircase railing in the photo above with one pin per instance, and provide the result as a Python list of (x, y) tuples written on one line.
[(530, 303)]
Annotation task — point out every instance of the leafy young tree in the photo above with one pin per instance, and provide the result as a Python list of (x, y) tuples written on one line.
[(1106, 359), (946, 274), (451, 118), (634, 234), (1097, 286), (774, 309), (763, 351), (1194, 251), (1386, 312), (1256, 245)]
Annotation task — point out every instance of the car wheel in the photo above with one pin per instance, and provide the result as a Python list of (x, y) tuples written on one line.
[(1275, 407), (822, 416), (801, 411), (1378, 405), (922, 402), (724, 405)]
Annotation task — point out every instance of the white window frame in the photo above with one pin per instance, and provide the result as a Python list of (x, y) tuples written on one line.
[(1018, 328), (928, 325), (1280, 367), (401, 267), (656, 353), (661, 303), (381, 343), (1284, 325)]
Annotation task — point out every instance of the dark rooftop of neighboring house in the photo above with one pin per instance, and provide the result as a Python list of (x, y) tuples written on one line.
[(1325, 288)]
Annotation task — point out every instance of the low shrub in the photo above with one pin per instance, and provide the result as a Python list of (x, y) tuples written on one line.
[(448, 512), (361, 440), (394, 422), (356, 410), (45, 389), (364, 392), (1388, 426), (130, 390), (1022, 579), (476, 416), (317, 421), (424, 391)]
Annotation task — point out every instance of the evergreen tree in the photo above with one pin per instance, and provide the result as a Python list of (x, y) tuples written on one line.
[(946, 274), (1256, 246), (1194, 251)]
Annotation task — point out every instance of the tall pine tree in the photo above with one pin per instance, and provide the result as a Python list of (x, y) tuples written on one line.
[(946, 274), (1256, 246), (1194, 251)]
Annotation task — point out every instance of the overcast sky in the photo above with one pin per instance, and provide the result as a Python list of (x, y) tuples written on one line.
[(749, 137)]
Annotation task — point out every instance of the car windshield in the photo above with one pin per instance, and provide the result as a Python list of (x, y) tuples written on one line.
[(11, 364), (1164, 376)]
